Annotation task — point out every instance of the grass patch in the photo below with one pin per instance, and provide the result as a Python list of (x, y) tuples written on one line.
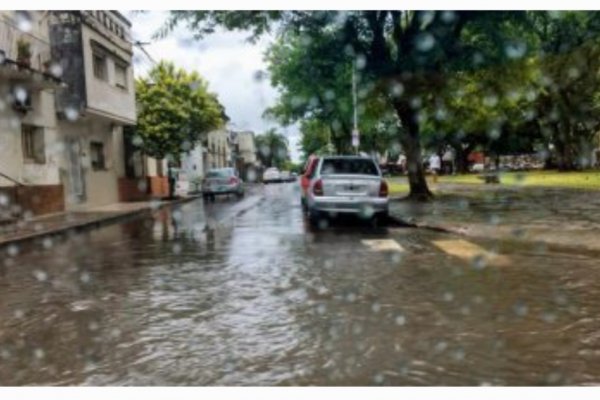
[(396, 188), (578, 180)]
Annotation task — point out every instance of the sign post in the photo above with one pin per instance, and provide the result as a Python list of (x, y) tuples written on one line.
[(355, 139)]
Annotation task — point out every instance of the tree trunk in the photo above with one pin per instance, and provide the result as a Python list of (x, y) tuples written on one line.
[(411, 142), (462, 158)]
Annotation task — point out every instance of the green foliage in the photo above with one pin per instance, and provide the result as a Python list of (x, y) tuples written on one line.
[(501, 80), (272, 149), (175, 111)]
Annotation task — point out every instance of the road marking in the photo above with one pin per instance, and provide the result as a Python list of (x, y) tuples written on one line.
[(382, 245), (471, 252)]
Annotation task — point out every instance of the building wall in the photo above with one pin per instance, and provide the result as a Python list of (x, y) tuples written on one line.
[(247, 147), (104, 97), (100, 185), (218, 150)]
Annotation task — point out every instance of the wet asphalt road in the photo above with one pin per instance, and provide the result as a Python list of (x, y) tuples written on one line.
[(258, 298)]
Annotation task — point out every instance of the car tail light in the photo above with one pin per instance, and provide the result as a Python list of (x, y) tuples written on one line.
[(318, 188), (383, 189), (233, 180)]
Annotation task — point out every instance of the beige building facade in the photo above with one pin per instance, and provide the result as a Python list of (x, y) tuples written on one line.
[(29, 149), (96, 58)]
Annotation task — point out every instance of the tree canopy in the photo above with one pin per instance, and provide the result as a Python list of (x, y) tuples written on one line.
[(272, 149), (175, 111)]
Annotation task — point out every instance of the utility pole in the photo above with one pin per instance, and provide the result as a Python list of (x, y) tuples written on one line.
[(355, 133)]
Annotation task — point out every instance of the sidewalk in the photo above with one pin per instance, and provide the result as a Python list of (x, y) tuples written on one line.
[(73, 220), (554, 216)]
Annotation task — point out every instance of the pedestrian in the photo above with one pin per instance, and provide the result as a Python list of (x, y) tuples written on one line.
[(435, 164), (448, 161), (402, 163)]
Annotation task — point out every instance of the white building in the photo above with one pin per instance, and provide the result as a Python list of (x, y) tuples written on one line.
[(95, 54), (29, 150)]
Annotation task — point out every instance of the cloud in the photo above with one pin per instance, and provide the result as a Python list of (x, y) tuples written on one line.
[(225, 59)]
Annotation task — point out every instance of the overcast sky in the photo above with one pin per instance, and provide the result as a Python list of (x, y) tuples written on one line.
[(225, 59)]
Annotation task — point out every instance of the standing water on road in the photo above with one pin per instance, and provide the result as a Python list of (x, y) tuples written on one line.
[(258, 298)]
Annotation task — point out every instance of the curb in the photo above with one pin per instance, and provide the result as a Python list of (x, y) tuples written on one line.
[(93, 223)]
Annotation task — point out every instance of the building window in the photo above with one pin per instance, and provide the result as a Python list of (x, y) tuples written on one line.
[(121, 76), (32, 139), (97, 155), (99, 66)]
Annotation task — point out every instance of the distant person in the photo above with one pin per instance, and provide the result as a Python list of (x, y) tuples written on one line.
[(402, 163), (448, 161), (435, 164)]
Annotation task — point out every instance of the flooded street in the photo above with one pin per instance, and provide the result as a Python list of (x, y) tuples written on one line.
[(258, 298)]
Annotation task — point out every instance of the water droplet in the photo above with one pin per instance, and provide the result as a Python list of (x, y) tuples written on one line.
[(448, 16), (425, 42), (19, 314), (71, 113), (440, 347), (448, 297), (85, 277), (39, 354), (479, 262), (12, 250), (378, 379), (56, 70), (361, 61), (515, 50), (400, 320), (47, 243), (20, 94), (321, 309), (350, 297), (376, 307), (520, 309), (23, 19), (40, 275), (490, 100), (397, 89), (548, 317)]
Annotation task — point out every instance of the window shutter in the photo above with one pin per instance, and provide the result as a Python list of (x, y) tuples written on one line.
[(39, 152)]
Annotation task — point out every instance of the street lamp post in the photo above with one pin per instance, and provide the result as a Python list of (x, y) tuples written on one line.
[(355, 133)]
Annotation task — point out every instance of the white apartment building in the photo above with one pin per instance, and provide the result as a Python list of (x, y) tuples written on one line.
[(29, 149)]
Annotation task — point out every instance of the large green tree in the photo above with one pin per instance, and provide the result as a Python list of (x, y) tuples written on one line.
[(406, 53), (314, 80), (175, 111), (569, 60)]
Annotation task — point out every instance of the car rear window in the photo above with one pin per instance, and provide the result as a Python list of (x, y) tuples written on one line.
[(218, 173), (348, 166)]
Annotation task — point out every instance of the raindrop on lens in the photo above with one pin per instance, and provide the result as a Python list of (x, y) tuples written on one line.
[(71, 113), (23, 19), (12, 250), (400, 320), (56, 70), (40, 275), (520, 309), (425, 42), (84, 277)]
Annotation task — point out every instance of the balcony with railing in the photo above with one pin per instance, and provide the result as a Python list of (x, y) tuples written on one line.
[(25, 56)]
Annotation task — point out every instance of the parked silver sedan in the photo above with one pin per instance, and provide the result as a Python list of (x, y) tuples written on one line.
[(222, 181), (347, 185)]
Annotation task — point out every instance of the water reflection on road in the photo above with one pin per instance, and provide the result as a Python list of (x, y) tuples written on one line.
[(260, 299)]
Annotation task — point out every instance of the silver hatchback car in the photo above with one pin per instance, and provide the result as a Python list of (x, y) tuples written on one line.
[(347, 184), (222, 181)]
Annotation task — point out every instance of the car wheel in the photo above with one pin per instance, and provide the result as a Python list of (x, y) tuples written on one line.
[(315, 218)]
